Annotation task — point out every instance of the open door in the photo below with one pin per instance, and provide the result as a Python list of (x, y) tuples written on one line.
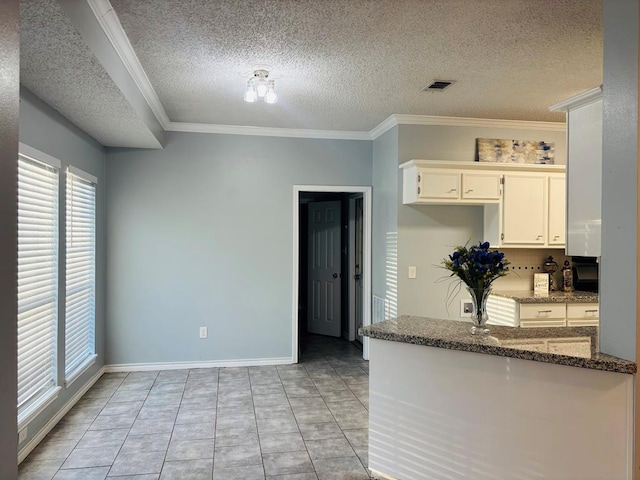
[(324, 273)]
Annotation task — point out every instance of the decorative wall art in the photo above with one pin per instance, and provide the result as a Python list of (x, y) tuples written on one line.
[(499, 150)]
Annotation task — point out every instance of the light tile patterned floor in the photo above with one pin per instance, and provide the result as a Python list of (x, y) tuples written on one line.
[(296, 422)]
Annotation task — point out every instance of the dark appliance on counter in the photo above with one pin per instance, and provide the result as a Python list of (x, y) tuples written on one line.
[(585, 274)]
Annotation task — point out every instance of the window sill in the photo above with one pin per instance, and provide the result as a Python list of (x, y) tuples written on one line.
[(37, 407), (73, 376)]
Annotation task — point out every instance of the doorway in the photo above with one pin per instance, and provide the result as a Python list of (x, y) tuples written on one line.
[(332, 258)]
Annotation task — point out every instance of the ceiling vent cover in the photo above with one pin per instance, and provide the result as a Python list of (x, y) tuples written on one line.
[(438, 85)]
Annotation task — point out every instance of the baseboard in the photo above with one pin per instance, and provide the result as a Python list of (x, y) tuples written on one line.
[(33, 443), (379, 476), (141, 367)]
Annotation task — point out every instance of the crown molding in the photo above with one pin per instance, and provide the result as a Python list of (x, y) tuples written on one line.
[(267, 131), (112, 28), (383, 127), (400, 119), (579, 100)]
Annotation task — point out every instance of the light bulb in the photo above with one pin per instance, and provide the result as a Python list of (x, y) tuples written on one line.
[(270, 96), (250, 94), (261, 87)]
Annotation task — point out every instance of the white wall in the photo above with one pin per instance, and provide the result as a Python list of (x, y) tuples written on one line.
[(426, 234), (201, 234)]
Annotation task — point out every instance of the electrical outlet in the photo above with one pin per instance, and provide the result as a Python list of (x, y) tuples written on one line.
[(413, 272), (22, 435), (203, 332), (466, 307)]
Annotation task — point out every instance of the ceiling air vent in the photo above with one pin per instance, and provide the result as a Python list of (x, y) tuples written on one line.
[(437, 85)]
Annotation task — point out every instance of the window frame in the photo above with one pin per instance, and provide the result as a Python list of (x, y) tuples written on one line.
[(38, 401), (76, 366)]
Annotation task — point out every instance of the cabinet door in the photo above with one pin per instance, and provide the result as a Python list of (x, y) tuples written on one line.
[(582, 314), (557, 206), (524, 209), (434, 184), (481, 186)]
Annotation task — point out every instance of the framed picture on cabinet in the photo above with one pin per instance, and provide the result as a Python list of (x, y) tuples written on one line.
[(498, 150)]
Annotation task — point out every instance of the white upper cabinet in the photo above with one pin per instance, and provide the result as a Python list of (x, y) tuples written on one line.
[(438, 185), (557, 210), (481, 186), (524, 209), (450, 183), (524, 205), (584, 172)]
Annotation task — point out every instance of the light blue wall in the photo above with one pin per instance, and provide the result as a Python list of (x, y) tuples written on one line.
[(427, 233), (385, 209), (618, 269), (43, 128), (201, 234)]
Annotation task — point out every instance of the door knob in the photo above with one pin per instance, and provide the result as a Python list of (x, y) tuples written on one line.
[(335, 275)]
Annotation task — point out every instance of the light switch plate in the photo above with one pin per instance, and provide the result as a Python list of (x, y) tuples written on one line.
[(203, 332), (413, 271)]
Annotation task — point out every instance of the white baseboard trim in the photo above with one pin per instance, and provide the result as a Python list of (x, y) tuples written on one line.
[(141, 367), (380, 476), (33, 443)]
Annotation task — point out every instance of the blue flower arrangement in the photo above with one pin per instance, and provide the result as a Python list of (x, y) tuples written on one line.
[(476, 266)]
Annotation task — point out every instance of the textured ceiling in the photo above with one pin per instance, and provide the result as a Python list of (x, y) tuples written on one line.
[(339, 64), (57, 65), (349, 64)]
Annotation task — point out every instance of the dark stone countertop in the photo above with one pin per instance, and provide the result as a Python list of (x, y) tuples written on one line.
[(527, 296), (512, 342)]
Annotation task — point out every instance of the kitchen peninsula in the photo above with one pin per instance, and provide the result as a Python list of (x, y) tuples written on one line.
[(446, 404)]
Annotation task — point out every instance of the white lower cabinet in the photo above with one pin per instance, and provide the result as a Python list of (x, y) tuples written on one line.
[(543, 315), (583, 314), (509, 312)]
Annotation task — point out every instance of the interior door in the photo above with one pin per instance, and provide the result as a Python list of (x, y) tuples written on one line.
[(324, 277), (358, 274)]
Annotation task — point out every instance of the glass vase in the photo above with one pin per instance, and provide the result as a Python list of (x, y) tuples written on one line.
[(479, 315)]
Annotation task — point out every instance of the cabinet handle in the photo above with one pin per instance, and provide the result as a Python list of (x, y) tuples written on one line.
[(591, 311), (538, 237), (544, 311), (556, 237), (469, 191), (453, 190)]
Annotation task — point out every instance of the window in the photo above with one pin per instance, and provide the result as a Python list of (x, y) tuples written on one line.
[(80, 273), (37, 282)]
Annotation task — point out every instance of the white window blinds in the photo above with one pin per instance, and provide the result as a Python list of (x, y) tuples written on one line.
[(80, 273), (37, 280)]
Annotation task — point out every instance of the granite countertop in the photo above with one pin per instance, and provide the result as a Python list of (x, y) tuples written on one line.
[(578, 344), (527, 296)]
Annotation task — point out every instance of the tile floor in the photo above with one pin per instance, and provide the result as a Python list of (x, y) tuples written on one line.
[(294, 422)]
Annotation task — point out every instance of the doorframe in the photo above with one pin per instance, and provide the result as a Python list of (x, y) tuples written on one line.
[(366, 253), (352, 264)]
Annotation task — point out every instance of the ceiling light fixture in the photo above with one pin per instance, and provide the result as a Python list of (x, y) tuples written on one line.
[(259, 86)]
